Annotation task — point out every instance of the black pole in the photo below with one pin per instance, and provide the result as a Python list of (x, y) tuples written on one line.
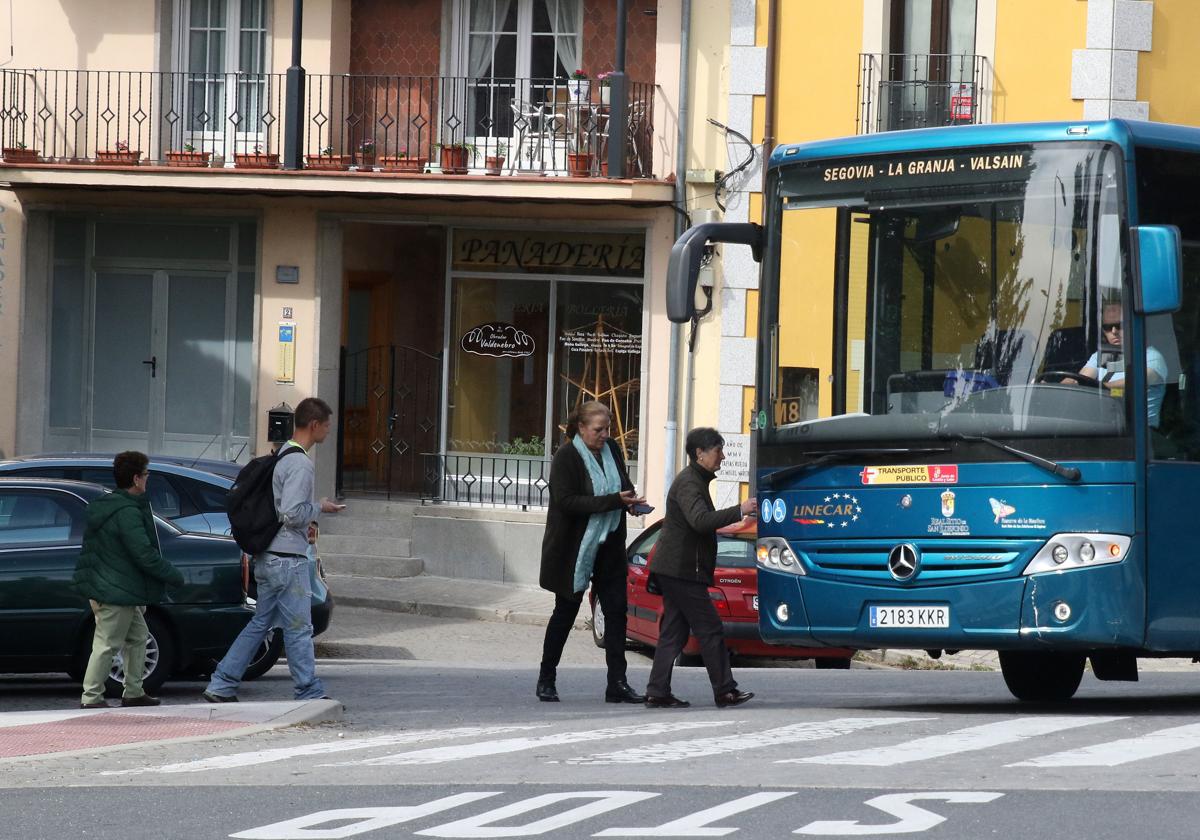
[(293, 130), (618, 101)]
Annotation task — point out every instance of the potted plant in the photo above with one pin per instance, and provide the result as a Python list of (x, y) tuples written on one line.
[(120, 155), (454, 157), (21, 154), (494, 163), (605, 86), (579, 164), (258, 159), (579, 86), (366, 154), (402, 162), (188, 157), (327, 160)]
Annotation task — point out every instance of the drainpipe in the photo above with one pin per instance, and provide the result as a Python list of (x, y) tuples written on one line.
[(618, 100), (293, 128), (670, 444), (772, 80)]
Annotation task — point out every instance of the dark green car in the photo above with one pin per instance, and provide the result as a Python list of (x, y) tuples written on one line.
[(45, 627)]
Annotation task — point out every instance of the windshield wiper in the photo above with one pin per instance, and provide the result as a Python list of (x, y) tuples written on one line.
[(1069, 473), (770, 480)]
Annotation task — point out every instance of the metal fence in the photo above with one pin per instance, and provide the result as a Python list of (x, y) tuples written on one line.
[(898, 91), (398, 123), (491, 480)]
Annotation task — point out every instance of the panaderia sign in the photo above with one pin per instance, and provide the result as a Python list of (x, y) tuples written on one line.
[(605, 254)]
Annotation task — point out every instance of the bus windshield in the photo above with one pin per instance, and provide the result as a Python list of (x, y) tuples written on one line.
[(957, 292)]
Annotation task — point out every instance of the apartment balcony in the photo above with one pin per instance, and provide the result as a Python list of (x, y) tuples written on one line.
[(898, 91), (369, 129)]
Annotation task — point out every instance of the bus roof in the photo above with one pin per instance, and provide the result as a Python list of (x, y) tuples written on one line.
[(1125, 133)]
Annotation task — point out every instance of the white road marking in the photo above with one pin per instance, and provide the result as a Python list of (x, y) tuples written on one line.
[(602, 802), (960, 741), (1151, 745), (355, 821), (911, 818), (248, 759), (698, 747), (439, 755), (697, 824)]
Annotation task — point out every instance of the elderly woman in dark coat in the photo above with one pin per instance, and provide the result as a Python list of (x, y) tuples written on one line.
[(684, 560), (584, 544)]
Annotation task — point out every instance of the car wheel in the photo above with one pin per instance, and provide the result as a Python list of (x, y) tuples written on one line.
[(837, 663), (160, 660), (597, 625), (267, 655)]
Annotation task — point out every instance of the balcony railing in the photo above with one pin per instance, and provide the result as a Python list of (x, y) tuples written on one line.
[(898, 91), (491, 480), (364, 123)]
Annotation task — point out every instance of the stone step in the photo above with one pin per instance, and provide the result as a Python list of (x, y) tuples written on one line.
[(378, 508), (375, 567), (365, 546), (385, 526)]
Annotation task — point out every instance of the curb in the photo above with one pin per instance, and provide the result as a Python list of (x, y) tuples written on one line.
[(496, 614)]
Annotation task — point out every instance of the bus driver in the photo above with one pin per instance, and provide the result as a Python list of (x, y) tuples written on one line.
[(1107, 368)]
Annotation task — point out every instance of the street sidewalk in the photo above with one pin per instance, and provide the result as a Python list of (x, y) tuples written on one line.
[(25, 735), (515, 603)]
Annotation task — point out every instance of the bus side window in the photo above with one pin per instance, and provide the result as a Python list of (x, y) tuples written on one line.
[(1177, 338)]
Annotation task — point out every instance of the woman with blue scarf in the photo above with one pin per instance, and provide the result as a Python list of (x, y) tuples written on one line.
[(584, 544)]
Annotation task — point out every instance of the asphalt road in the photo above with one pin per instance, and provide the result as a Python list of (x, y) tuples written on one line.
[(447, 740)]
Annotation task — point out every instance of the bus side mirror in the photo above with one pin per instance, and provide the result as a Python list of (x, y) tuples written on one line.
[(1159, 259), (687, 253)]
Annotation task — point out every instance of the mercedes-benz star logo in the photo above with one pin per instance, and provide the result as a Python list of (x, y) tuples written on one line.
[(903, 561)]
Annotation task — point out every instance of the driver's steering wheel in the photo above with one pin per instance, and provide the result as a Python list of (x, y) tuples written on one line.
[(1056, 377)]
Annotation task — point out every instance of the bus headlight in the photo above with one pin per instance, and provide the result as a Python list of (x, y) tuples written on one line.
[(1074, 551), (774, 553)]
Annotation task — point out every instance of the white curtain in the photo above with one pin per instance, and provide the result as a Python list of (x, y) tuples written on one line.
[(479, 51), (566, 44)]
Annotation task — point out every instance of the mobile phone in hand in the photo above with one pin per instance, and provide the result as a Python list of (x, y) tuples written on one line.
[(641, 509)]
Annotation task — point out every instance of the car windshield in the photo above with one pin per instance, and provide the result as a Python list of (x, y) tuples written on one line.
[(735, 552), (947, 293)]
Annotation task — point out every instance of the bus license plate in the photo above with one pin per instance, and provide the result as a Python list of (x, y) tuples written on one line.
[(913, 616)]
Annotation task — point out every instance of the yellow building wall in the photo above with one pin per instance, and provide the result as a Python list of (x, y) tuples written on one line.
[(81, 36), (818, 50), (1034, 40), (1167, 75)]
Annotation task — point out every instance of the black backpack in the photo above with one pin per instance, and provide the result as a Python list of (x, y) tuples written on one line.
[(250, 503)]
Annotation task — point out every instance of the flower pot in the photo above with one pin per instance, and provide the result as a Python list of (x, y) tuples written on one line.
[(366, 160), (119, 158), (395, 163), (493, 165), (190, 159), (579, 165), (579, 90), (21, 156), (256, 160), (327, 162), (454, 160)]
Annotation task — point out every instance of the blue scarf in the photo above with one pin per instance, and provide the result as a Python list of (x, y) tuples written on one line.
[(600, 525)]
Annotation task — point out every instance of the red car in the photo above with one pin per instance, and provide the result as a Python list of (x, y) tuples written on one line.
[(735, 594)]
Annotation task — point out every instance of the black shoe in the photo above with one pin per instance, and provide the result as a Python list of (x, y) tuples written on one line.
[(144, 700), (668, 702), (620, 692), (218, 698), (99, 704), (732, 698), (546, 692)]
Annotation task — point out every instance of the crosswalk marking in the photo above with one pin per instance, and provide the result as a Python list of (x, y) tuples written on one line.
[(1150, 745), (698, 747), (959, 741), (439, 755), (247, 759)]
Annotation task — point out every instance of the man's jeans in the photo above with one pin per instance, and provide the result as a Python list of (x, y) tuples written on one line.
[(118, 630), (284, 601)]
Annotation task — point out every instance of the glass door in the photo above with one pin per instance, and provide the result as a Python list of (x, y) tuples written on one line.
[(124, 364)]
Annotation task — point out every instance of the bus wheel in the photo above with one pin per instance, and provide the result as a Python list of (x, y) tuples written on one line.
[(1041, 676)]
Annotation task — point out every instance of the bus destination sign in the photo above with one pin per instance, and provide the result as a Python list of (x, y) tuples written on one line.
[(922, 166)]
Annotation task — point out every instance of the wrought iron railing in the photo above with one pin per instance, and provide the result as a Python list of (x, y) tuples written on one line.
[(898, 91), (396, 123), (491, 480)]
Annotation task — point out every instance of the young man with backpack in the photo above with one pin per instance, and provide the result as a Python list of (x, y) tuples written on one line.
[(282, 568)]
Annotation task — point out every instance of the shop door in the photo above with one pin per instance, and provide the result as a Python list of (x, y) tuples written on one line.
[(161, 368)]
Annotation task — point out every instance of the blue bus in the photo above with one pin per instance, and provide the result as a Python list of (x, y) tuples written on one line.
[(977, 411)]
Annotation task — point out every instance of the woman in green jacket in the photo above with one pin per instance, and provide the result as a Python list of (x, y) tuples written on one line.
[(121, 572)]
